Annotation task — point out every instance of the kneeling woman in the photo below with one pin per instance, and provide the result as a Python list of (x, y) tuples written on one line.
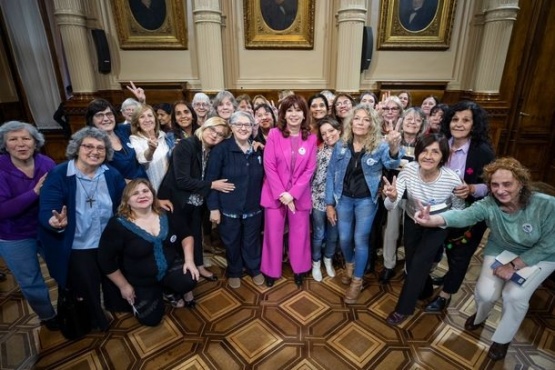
[(139, 253), (426, 182)]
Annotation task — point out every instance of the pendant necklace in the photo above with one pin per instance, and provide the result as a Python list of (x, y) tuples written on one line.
[(90, 196)]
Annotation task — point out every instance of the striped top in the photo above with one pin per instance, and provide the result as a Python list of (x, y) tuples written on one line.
[(438, 193)]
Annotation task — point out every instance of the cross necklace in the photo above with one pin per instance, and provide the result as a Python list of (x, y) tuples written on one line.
[(90, 196)]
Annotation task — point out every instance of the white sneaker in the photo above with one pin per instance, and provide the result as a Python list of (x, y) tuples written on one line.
[(329, 267), (316, 272)]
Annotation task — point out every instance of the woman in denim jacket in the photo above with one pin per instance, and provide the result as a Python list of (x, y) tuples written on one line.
[(352, 183)]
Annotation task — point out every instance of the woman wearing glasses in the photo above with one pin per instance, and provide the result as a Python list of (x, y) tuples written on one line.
[(342, 107), (201, 105), (102, 115), (76, 201), (238, 213), (185, 183), (391, 113)]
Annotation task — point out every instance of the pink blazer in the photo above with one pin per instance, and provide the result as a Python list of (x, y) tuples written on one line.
[(280, 177)]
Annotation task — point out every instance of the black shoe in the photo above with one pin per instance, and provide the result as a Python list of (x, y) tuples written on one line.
[(498, 351), (437, 305), (51, 324), (469, 323), (299, 279), (386, 275), (2, 276), (211, 277), (270, 281), (438, 280)]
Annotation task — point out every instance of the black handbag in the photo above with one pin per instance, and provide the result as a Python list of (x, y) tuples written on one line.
[(73, 315)]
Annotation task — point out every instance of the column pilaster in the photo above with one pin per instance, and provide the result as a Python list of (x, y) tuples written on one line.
[(207, 18), (351, 18)]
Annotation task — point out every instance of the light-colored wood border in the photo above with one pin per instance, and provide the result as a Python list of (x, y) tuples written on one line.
[(258, 35), (172, 34), (436, 36)]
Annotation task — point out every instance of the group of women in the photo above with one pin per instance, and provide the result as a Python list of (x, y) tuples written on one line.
[(124, 217)]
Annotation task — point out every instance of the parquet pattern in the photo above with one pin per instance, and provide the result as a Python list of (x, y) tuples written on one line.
[(282, 327)]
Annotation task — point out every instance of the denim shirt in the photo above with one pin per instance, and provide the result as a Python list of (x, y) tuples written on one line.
[(372, 166)]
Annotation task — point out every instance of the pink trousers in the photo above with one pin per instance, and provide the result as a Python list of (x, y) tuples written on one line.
[(299, 241)]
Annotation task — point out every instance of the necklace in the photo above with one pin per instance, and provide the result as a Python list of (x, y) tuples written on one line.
[(90, 196)]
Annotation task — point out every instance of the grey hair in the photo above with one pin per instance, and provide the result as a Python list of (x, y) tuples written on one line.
[(220, 97), (12, 126), (419, 112), (72, 150), (128, 103), (201, 97), (236, 115)]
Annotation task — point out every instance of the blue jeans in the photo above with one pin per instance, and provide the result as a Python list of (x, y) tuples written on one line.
[(322, 228), (21, 258), (354, 220)]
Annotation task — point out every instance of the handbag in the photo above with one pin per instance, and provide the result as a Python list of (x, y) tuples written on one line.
[(73, 315)]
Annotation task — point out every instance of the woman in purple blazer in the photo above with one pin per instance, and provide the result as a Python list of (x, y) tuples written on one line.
[(289, 163)]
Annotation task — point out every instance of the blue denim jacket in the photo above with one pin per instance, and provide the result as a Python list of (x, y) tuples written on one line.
[(372, 165)]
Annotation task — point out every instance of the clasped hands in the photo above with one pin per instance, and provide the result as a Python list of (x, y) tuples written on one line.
[(287, 200)]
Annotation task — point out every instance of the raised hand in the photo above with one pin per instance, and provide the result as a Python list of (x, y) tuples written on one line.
[(422, 217), (393, 138), (58, 219), (39, 184), (390, 188), (138, 92)]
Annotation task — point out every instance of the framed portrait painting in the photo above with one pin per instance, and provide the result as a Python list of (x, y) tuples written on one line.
[(416, 24), (150, 24), (279, 24)]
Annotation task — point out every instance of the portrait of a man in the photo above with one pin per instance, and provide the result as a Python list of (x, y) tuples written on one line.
[(416, 15), (279, 14), (150, 14)]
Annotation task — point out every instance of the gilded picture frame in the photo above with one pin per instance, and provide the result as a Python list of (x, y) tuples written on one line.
[(265, 30), (426, 28), (160, 26)]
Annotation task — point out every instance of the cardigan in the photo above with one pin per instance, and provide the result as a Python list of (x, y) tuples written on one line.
[(59, 190)]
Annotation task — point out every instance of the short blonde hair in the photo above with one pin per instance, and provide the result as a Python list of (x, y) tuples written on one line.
[(135, 127), (213, 122)]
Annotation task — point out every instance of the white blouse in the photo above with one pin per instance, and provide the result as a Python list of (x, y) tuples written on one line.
[(157, 167)]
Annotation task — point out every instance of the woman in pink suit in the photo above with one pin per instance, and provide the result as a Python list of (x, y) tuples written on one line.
[(289, 163)]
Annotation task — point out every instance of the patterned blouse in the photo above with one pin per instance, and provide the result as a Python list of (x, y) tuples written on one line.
[(319, 181)]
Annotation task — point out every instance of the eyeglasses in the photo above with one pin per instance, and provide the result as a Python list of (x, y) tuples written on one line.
[(218, 133), (242, 125), (90, 148), (101, 115), (392, 109), (343, 103), (201, 105)]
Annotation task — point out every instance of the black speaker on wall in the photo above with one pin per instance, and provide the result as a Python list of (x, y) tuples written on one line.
[(102, 51), (367, 48)]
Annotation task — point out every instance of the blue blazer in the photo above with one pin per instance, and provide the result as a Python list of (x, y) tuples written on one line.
[(59, 190)]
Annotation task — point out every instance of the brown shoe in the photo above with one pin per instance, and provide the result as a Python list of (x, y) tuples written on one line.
[(347, 273), (498, 351), (469, 323), (353, 291)]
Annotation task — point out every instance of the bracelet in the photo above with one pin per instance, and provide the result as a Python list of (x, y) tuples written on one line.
[(514, 266)]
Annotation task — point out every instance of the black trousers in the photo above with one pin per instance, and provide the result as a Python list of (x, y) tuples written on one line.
[(85, 279), (192, 217), (241, 238), (459, 256), (149, 304), (421, 246)]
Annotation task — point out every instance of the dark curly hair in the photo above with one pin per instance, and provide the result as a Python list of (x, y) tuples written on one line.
[(480, 126)]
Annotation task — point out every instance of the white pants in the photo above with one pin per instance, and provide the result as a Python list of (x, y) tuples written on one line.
[(515, 298), (391, 235)]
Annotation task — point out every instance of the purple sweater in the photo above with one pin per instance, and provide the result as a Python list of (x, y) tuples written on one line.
[(19, 204)]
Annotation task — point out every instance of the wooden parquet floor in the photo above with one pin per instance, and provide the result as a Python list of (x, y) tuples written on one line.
[(282, 327)]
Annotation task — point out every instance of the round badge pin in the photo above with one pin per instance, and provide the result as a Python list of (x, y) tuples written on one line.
[(302, 150), (527, 228), (173, 238)]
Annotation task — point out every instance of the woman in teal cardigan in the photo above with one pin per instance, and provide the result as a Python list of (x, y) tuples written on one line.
[(521, 222)]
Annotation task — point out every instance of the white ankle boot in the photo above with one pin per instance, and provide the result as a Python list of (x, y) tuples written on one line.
[(329, 267), (316, 273)]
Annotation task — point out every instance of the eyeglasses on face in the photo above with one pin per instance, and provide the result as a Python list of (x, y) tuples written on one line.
[(392, 109), (242, 125), (90, 148), (343, 103), (101, 115), (201, 105), (214, 131)]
